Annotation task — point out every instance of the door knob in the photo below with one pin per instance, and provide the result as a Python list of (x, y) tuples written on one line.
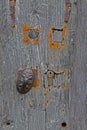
[(26, 80)]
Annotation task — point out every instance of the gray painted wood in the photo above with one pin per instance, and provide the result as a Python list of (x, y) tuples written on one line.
[(37, 110), (78, 92)]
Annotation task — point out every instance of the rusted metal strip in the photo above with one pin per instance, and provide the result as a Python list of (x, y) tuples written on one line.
[(68, 10), (12, 4)]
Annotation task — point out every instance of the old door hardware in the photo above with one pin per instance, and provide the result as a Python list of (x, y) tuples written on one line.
[(31, 33), (51, 75), (58, 45), (67, 11), (12, 4), (27, 79)]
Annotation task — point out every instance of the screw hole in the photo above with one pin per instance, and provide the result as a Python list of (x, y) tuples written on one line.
[(33, 34), (8, 123), (64, 124)]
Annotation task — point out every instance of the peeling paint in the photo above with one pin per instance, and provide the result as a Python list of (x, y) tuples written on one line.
[(58, 45), (26, 39)]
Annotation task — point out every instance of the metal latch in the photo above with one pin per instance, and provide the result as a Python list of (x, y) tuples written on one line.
[(51, 75)]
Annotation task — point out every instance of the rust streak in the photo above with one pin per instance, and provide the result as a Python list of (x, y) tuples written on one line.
[(12, 4), (38, 80), (68, 10), (47, 90)]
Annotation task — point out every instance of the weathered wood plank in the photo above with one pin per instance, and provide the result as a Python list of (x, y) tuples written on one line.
[(78, 93), (40, 109), (18, 111)]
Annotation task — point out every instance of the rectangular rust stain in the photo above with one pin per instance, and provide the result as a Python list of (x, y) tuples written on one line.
[(64, 35)]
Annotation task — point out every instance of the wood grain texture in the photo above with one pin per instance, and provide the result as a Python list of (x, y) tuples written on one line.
[(78, 93), (38, 110)]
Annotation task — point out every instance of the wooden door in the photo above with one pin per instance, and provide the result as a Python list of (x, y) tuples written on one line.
[(63, 104)]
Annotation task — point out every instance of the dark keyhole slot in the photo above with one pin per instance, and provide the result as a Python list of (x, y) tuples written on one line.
[(57, 35), (64, 124)]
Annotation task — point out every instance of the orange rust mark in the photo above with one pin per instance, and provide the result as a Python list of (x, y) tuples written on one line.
[(38, 80), (38, 71), (12, 4), (36, 41), (58, 45), (27, 39), (47, 90), (26, 28), (38, 83)]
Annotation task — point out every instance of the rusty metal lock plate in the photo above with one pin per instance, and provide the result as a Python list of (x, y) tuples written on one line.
[(50, 76), (26, 80)]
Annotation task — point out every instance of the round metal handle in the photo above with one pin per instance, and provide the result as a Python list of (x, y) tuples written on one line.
[(26, 80)]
